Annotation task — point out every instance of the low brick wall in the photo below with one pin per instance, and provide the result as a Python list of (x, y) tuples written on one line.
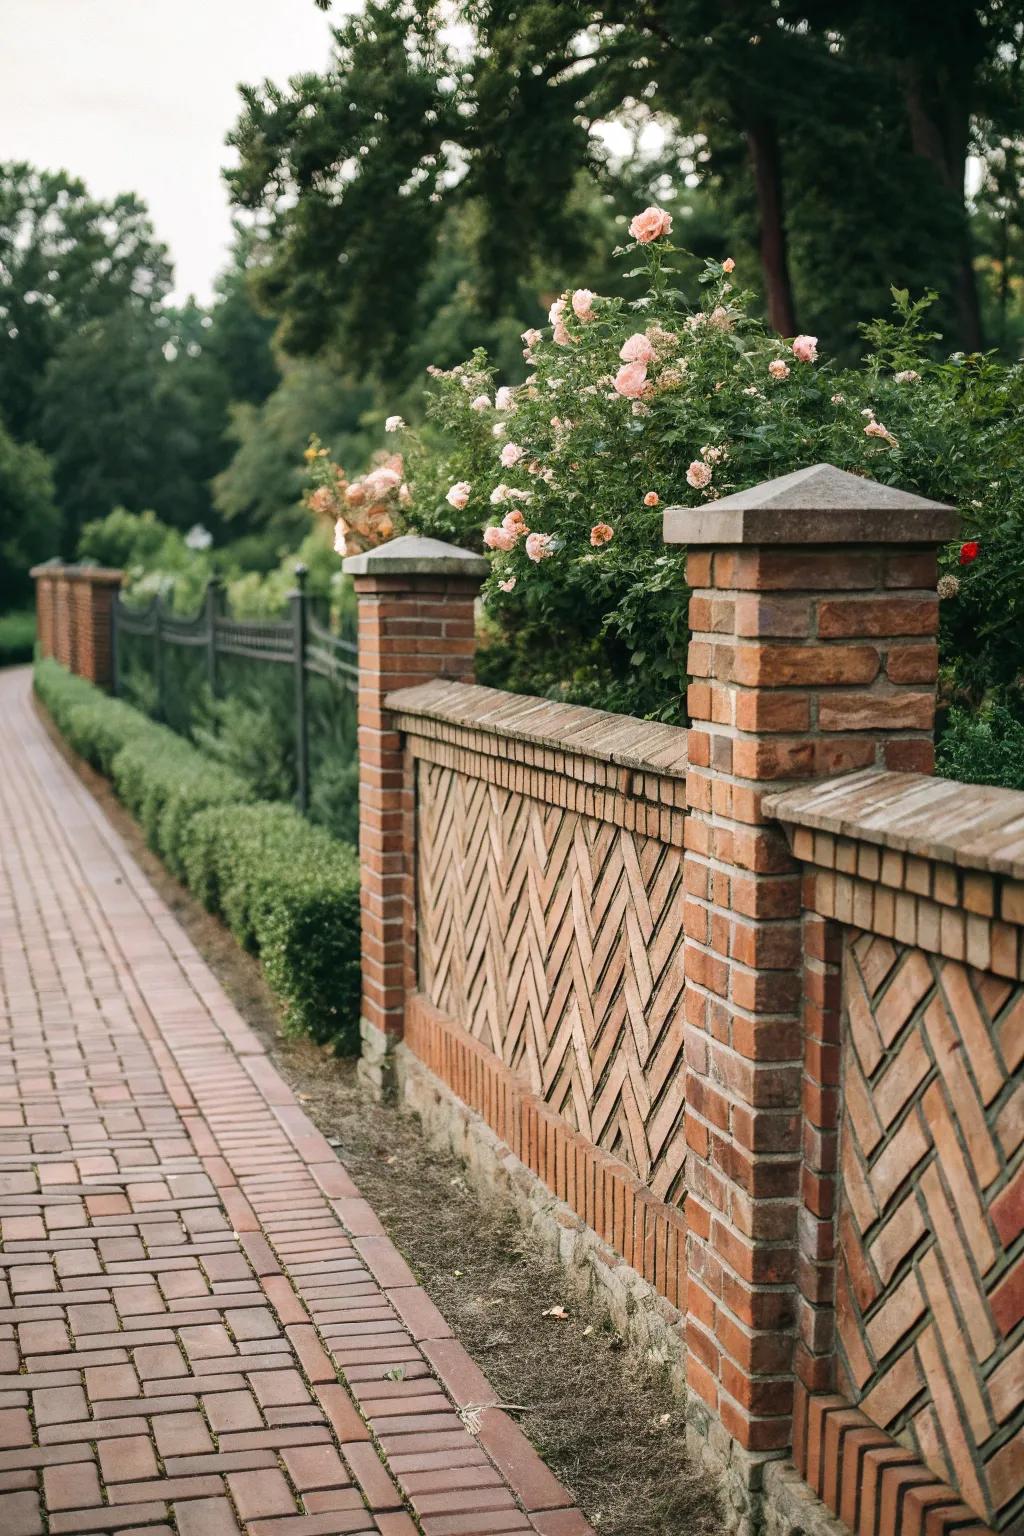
[(912, 1378), (733, 1042), (74, 617)]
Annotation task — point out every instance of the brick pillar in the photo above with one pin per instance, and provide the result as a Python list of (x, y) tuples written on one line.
[(94, 591), (43, 577), (63, 623), (813, 653), (416, 622)]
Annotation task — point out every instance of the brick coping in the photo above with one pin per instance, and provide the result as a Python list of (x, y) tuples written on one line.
[(188, 1269), (620, 739), (916, 814), (100, 575)]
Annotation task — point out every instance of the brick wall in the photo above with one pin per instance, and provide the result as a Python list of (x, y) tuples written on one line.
[(914, 1373), (652, 973), (74, 617)]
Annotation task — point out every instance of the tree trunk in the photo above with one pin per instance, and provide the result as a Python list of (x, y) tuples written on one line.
[(941, 135), (763, 144)]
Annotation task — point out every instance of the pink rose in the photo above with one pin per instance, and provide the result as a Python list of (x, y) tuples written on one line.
[(356, 494), (499, 538), (778, 369), (503, 399), (458, 495), (728, 265), (583, 304), (805, 349), (650, 225), (556, 311), (875, 429), (631, 380), (538, 547), (515, 523), (560, 335), (322, 499), (531, 337), (507, 584), (600, 534), (481, 403), (394, 424), (340, 532), (651, 499), (720, 318), (698, 475), (511, 454), (637, 349)]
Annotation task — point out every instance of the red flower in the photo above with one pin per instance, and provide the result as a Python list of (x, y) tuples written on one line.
[(969, 551)]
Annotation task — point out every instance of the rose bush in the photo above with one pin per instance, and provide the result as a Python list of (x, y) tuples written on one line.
[(629, 406)]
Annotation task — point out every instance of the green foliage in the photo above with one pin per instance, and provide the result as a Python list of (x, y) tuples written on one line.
[(287, 889), (30, 524), (243, 732), (987, 748), (17, 636), (605, 622)]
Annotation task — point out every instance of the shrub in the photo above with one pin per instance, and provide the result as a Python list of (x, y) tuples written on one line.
[(17, 636), (164, 782), (987, 748), (289, 891)]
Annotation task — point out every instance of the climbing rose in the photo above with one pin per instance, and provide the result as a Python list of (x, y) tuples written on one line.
[(728, 265), (698, 475), (637, 349), (340, 530), (458, 495), (322, 499), (908, 376), (583, 304), (651, 499), (875, 429), (538, 547), (805, 349), (531, 337), (356, 494), (511, 454), (394, 424), (499, 538), (481, 403), (560, 335), (508, 584), (631, 380), (778, 369), (503, 399), (650, 225), (556, 311), (600, 534), (720, 318), (969, 552), (514, 522)]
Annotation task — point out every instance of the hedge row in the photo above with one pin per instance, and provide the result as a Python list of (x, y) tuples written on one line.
[(288, 891)]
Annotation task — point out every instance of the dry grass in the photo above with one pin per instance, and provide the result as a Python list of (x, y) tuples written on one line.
[(604, 1420)]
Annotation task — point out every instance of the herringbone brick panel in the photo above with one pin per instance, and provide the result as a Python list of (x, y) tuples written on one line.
[(557, 940), (930, 1290)]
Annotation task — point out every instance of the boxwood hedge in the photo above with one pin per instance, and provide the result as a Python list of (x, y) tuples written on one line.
[(288, 890)]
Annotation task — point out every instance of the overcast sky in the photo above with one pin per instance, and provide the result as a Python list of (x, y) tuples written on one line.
[(138, 95)]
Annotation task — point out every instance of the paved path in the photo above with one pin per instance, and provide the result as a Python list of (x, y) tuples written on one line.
[(203, 1327)]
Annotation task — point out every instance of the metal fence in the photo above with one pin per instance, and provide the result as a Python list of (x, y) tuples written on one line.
[(302, 642)]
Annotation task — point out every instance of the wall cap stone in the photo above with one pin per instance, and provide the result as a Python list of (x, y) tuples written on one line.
[(98, 575), (975, 826), (818, 505), (620, 739), (414, 556)]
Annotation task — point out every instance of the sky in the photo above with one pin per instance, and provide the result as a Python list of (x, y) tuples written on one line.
[(138, 96)]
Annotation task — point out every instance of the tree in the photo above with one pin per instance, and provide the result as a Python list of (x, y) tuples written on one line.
[(67, 260), (30, 522), (807, 118)]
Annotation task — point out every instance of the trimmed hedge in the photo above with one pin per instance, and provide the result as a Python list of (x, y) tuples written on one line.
[(288, 890), (17, 636)]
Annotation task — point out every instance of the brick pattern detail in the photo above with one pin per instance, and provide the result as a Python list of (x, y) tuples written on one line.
[(805, 662), (556, 939), (599, 1187), (201, 1321), (410, 628), (74, 618), (930, 1282), (869, 1480)]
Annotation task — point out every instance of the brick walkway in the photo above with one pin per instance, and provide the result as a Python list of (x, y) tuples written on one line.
[(203, 1327)]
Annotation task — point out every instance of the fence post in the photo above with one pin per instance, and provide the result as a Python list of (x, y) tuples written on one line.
[(213, 590), (416, 622), (299, 600), (115, 646), (813, 620), (158, 656)]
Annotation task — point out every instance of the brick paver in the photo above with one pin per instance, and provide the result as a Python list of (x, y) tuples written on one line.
[(203, 1327)]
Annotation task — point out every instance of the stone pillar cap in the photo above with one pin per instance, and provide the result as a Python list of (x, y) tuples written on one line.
[(819, 505), (415, 556)]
